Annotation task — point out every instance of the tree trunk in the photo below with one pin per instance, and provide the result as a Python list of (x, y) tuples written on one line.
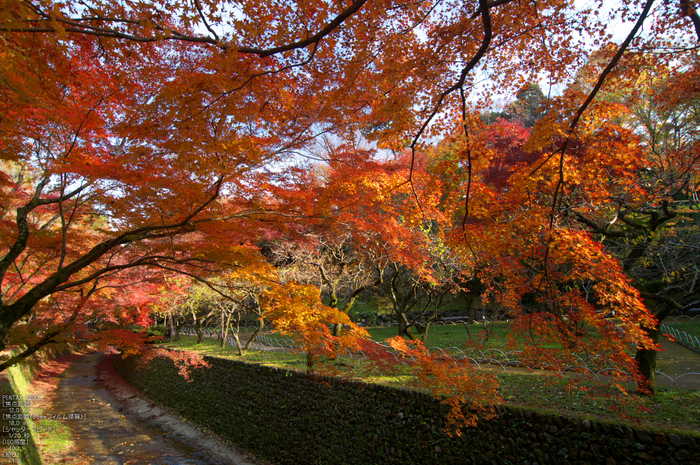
[(404, 327), (424, 336), (431, 318), (225, 329), (470, 311), (222, 334), (200, 333), (310, 360), (466, 326), (255, 334), (348, 306), (236, 337), (646, 360)]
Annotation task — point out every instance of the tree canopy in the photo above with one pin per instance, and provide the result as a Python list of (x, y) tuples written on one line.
[(146, 139)]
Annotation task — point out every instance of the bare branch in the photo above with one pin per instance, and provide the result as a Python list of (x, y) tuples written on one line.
[(314, 39), (198, 5), (80, 26)]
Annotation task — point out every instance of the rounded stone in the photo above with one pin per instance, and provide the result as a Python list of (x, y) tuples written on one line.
[(675, 440)]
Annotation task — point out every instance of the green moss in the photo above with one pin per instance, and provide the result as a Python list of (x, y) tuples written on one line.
[(16, 384)]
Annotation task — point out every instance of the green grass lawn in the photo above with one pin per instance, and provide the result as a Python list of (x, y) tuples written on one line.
[(458, 335), (452, 335), (492, 335), (489, 336), (670, 409), (691, 327)]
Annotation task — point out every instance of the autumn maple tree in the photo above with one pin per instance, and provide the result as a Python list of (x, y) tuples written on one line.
[(93, 189), (141, 140), (651, 233)]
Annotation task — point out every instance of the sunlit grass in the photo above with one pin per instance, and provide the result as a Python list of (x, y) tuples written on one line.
[(212, 347), (400, 381), (54, 436)]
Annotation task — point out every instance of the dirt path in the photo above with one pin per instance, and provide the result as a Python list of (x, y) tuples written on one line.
[(118, 427)]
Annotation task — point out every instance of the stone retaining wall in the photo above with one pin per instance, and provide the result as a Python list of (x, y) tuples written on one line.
[(289, 418)]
